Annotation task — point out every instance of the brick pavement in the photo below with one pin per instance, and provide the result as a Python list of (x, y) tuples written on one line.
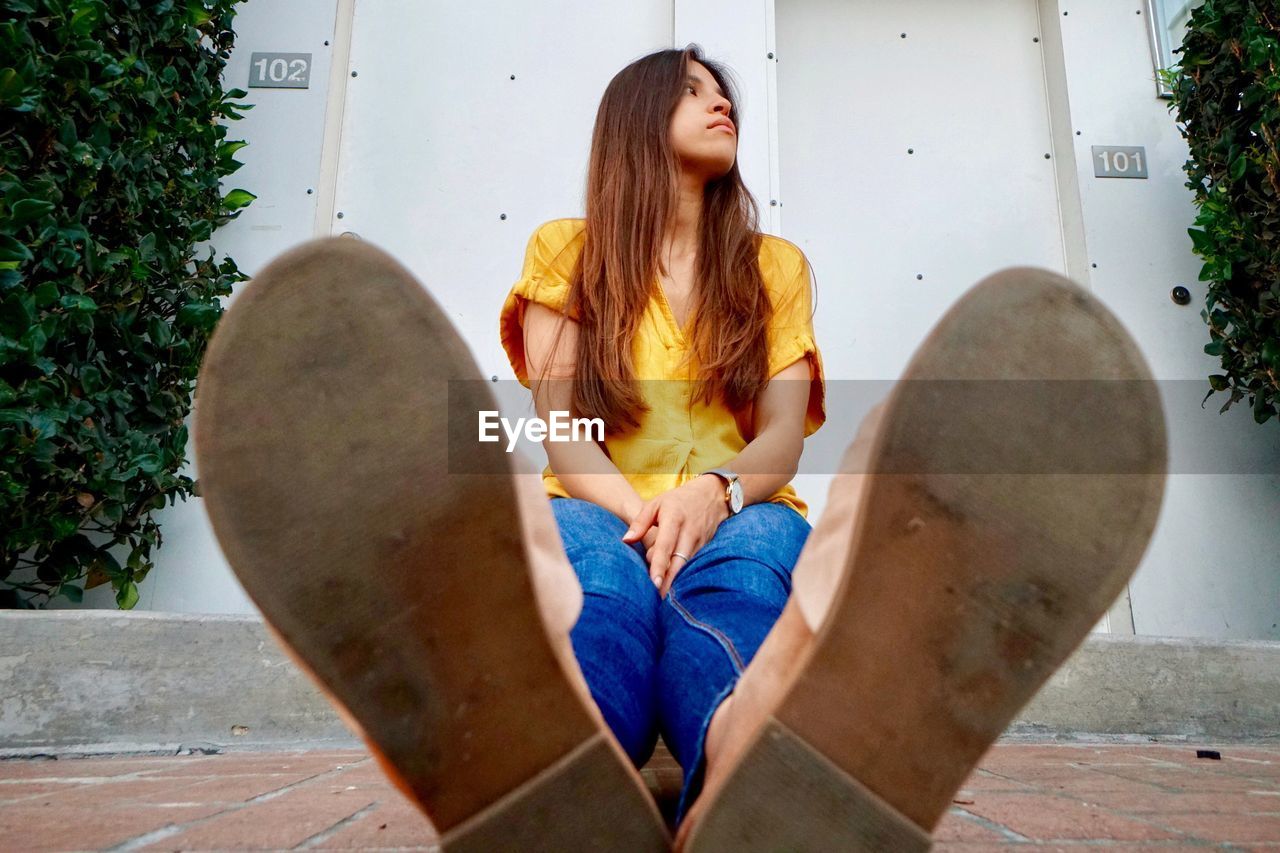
[(1050, 796)]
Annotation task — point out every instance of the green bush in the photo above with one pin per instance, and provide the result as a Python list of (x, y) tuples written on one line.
[(110, 158), (1227, 92)]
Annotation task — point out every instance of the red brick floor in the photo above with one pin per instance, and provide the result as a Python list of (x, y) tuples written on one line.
[(1047, 795)]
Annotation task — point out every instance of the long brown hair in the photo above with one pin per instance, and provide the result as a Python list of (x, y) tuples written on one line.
[(631, 196)]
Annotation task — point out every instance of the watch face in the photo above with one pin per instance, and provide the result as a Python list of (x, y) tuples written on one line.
[(735, 496)]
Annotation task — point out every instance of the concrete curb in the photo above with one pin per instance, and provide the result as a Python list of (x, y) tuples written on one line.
[(103, 681)]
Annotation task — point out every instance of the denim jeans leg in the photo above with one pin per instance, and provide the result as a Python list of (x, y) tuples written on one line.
[(616, 639), (717, 612)]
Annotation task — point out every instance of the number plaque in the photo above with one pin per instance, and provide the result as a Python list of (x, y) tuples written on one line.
[(1114, 161), (279, 70)]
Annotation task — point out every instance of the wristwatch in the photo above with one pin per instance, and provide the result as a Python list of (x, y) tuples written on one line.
[(732, 489)]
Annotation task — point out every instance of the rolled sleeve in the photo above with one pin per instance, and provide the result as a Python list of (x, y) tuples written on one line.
[(544, 278), (791, 332)]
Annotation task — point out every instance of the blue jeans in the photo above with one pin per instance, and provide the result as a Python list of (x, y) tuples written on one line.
[(662, 665)]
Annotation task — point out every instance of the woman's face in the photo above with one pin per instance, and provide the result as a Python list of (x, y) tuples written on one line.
[(704, 148)]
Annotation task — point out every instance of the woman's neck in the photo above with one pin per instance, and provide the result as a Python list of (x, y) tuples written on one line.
[(681, 240)]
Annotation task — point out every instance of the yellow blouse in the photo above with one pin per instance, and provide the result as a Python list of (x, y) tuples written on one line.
[(679, 438)]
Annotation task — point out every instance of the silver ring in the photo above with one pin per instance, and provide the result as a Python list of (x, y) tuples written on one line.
[(678, 554)]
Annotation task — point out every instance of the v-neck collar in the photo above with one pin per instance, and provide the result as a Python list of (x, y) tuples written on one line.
[(664, 308)]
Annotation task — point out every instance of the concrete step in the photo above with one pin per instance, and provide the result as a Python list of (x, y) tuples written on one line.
[(108, 680)]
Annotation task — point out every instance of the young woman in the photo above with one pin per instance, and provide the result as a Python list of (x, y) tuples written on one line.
[(509, 645), (688, 333)]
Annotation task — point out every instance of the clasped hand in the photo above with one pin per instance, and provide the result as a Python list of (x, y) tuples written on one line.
[(682, 519)]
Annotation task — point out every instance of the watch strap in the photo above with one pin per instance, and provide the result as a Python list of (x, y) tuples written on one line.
[(729, 476)]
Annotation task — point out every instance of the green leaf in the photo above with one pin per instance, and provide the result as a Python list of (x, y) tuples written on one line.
[(1271, 353), (78, 302), (127, 596), (46, 294), (11, 85), (200, 315), (90, 379), (34, 339), (148, 463), (1236, 170), (86, 16), (28, 209), (112, 511), (12, 250), (72, 592), (147, 247), (63, 526), (1200, 242), (237, 198), (1262, 410), (228, 149), (197, 14), (107, 562), (160, 331), (19, 309)]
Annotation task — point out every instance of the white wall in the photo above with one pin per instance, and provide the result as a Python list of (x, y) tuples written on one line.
[(977, 99), (426, 148), (439, 144), (1213, 568)]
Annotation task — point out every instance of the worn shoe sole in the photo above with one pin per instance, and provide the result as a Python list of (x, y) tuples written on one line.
[(401, 587), (1000, 519)]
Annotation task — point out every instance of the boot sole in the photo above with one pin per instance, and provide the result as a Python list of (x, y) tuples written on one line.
[(979, 563), (401, 589)]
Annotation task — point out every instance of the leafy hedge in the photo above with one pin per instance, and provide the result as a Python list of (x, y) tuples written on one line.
[(111, 153), (1227, 92)]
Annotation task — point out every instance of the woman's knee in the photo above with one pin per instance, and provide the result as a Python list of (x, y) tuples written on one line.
[(771, 532), (583, 520), (752, 553), (606, 566), (737, 577)]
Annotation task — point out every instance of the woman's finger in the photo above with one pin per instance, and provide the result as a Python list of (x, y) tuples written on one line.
[(668, 533), (641, 523), (649, 539), (688, 545)]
